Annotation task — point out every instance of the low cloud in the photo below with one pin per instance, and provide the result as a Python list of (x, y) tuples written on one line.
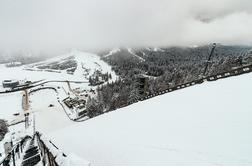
[(56, 25)]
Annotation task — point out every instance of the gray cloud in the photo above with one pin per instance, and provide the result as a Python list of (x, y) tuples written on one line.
[(54, 25)]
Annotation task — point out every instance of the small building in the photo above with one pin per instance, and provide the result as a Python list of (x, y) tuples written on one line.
[(75, 103), (13, 64), (10, 83)]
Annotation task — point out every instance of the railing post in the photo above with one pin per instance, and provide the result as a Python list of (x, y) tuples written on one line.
[(13, 158)]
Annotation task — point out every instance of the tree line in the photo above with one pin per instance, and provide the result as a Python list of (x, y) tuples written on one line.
[(164, 68)]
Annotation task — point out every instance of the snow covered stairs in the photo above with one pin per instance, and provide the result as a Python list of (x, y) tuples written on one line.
[(32, 154)]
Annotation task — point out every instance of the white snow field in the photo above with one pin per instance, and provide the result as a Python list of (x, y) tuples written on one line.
[(90, 61), (205, 125), (10, 104), (48, 119)]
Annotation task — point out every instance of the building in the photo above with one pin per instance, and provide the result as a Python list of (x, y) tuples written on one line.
[(141, 85), (10, 83), (75, 103), (13, 64)]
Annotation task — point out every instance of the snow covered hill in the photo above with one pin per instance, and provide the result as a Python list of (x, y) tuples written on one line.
[(205, 125), (80, 64), (122, 53), (73, 66), (45, 106)]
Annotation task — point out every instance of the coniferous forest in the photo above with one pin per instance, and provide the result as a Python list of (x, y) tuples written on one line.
[(163, 68)]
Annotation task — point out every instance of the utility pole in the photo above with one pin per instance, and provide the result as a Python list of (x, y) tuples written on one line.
[(26, 120), (34, 129)]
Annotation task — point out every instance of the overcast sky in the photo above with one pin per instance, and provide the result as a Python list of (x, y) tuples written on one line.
[(50, 25)]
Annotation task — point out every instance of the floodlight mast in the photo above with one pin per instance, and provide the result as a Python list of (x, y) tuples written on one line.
[(209, 60)]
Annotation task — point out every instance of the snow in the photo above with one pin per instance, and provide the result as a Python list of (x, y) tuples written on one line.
[(47, 118), (208, 124), (112, 52), (10, 104), (130, 50), (194, 46), (64, 160), (73, 160), (156, 49), (93, 62), (88, 60)]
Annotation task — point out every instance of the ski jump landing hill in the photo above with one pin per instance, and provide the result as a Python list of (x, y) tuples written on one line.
[(204, 125)]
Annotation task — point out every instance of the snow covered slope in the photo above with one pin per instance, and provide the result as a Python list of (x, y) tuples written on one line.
[(10, 104), (86, 65), (206, 125), (124, 52)]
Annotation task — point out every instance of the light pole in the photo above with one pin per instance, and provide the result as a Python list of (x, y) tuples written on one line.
[(209, 60)]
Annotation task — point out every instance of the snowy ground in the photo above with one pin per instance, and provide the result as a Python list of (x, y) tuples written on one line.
[(205, 125), (48, 119), (10, 104), (87, 60)]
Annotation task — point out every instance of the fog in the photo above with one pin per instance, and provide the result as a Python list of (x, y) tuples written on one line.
[(57, 25)]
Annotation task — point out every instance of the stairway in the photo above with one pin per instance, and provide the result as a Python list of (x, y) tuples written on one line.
[(36, 153), (32, 154)]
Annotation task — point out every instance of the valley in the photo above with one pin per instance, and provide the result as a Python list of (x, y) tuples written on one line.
[(69, 98)]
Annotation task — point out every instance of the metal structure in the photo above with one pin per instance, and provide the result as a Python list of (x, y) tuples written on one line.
[(15, 152), (209, 59), (36, 151), (141, 85)]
